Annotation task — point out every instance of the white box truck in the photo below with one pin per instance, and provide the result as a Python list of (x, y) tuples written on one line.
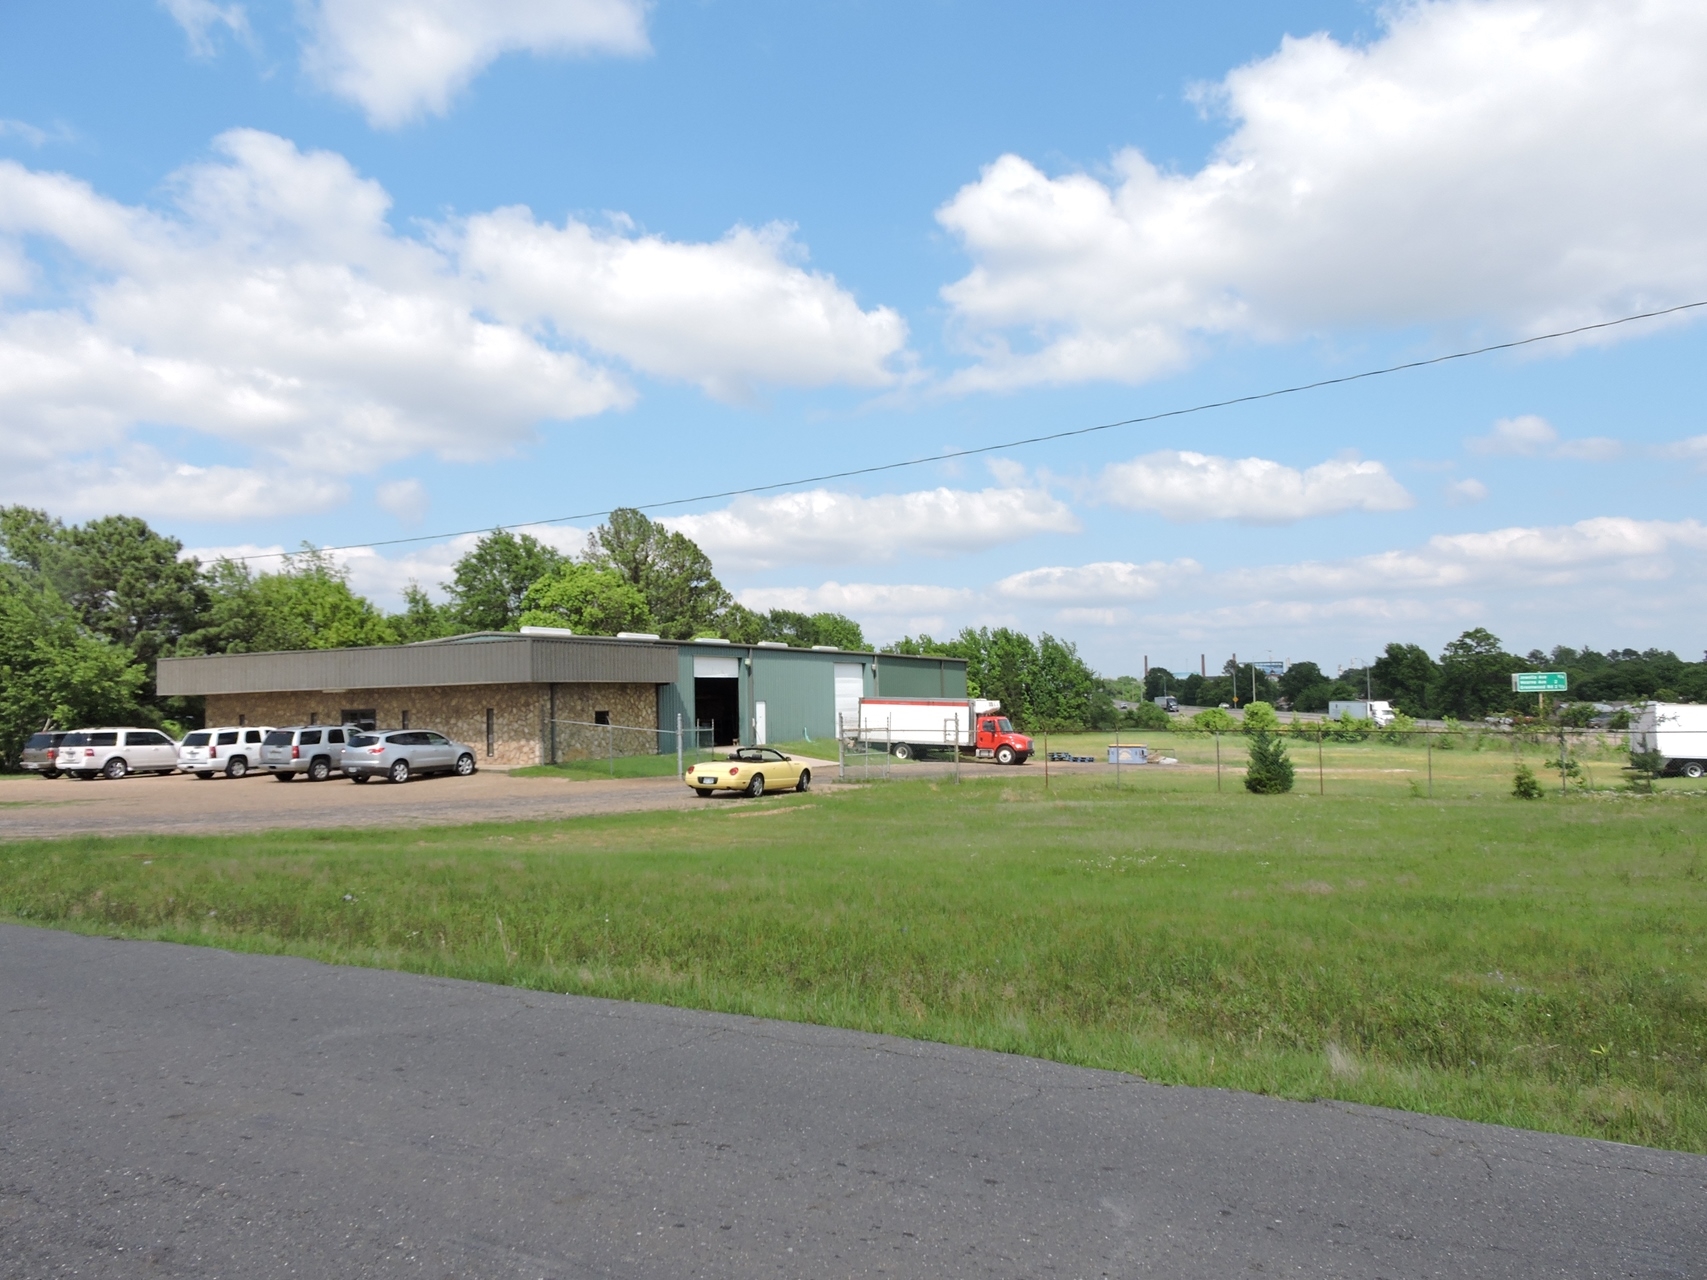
[(1677, 730), (1380, 712), (913, 726)]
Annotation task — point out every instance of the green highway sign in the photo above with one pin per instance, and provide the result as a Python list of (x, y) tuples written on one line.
[(1538, 682)]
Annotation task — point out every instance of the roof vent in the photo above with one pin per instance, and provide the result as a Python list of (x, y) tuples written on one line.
[(547, 631), (709, 640), (826, 648), (770, 644), (637, 635)]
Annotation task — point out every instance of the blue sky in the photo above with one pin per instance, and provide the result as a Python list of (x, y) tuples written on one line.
[(348, 270)]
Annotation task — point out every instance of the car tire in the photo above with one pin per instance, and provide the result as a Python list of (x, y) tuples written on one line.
[(284, 777), (464, 765), (358, 778), (115, 768), (1694, 769), (756, 787), (319, 769), (237, 768), (203, 776), (400, 771), (902, 751), (1004, 754), (50, 773), (805, 783), (704, 793)]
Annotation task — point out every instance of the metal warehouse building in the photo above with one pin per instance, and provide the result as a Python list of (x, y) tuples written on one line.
[(537, 698)]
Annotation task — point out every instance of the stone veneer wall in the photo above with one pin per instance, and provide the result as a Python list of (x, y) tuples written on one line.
[(520, 716), (634, 705)]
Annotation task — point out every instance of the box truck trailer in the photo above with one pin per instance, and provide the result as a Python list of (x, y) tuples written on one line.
[(909, 727), (1677, 730), (1381, 713)]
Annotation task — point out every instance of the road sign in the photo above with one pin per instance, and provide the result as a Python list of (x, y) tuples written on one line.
[(1538, 682)]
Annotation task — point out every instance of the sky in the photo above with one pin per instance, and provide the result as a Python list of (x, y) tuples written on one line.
[(348, 272)]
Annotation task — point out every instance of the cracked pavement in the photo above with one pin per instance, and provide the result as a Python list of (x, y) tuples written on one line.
[(182, 1111)]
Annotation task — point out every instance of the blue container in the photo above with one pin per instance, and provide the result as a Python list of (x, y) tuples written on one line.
[(1129, 755)]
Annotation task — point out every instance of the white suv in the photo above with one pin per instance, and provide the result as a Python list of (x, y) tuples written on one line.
[(232, 750), (112, 753)]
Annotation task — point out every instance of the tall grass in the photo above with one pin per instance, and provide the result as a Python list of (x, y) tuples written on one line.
[(1538, 964)]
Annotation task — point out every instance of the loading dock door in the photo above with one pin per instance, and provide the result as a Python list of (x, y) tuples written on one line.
[(850, 688), (717, 697)]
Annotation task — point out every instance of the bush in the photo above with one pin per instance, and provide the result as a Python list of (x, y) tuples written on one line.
[(1644, 767), (1399, 730), (1147, 715), (1525, 785), (1270, 770), (1260, 718), (1213, 720)]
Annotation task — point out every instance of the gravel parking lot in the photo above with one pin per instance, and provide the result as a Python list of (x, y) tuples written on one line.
[(34, 809)]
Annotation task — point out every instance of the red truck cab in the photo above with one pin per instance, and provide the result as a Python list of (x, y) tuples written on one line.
[(996, 740)]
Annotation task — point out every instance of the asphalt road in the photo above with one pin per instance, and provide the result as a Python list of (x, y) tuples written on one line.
[(173, 1111)]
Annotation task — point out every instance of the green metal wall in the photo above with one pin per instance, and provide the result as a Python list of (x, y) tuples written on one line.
[(798, 686)]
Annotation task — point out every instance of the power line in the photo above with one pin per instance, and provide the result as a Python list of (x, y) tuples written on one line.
[(1026, 440)]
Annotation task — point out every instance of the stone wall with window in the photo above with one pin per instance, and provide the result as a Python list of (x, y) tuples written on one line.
[(521, 730)]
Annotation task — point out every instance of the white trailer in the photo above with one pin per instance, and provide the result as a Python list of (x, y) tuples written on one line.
[(1379, 712), (1678, 731), (907, 727)]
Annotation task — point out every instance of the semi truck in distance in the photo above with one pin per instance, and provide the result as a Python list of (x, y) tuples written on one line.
[(1677, 730), (1381, 713), (909, 727)]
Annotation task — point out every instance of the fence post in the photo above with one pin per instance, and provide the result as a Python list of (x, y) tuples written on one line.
[(610, 746), (1321, 778), (681, 764), (1429, 740), (888, 744), (1218, 759), (1117, 752), (841, 749)]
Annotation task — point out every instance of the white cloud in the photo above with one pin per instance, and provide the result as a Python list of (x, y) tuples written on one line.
[(199, 18), (1465, 491), (273, 307), (1514, 162), (402, 59), (723, 315), (1524, 557), (1193, 486), (1098, 585), (140, 481), (1529, 436), (405, 499), (1693, 449), (820, 526)]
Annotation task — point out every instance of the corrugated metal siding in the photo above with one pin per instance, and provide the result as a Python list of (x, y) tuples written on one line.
[(494, 660), (910, 677), (798, 688)]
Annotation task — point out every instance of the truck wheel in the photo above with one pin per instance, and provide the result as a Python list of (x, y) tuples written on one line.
[(319, 769), (464, 765), (204, 777), (902, 751), (237, 768), (1004, 754), (805, 783), (756, 787), (1694, 769), (284, 777), (116, 768)]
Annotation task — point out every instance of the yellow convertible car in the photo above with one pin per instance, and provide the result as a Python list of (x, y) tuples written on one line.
[(751, 771)]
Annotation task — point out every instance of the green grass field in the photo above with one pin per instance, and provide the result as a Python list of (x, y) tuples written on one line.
[(1541, 964)]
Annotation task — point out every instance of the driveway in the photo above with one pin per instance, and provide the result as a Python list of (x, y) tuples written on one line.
[(176, 1111)]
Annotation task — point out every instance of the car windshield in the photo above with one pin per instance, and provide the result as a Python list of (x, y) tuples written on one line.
[(1004, 725), (278, 738), (195, 739), (38, 741), (751, 755), (75, 740)]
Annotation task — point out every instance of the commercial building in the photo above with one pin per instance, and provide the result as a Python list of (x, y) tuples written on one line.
[(536, 698)]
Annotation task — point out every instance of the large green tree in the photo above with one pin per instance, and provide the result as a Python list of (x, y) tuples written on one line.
[(306, 604), (587, 600), (1406, 675), (1475, 676), (53, 670), (487, 585), (669, 569)]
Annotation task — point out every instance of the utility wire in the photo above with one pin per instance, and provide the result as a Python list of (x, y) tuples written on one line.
[(1025, 440)]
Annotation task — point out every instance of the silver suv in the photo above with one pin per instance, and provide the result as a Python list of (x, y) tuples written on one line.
[(313, 749), (41, 752), (399, 754), (230, 750), (112, 753)]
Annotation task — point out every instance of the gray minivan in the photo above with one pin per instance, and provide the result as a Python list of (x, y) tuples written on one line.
[(399, 754), (312, 749)]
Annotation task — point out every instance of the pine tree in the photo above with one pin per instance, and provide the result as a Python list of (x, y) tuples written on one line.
[(1270, 770)]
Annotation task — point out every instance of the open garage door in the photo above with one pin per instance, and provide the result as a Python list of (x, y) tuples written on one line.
[(850, 688), (717, 698)]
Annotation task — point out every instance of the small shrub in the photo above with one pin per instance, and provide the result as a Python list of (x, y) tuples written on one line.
[(1400, 730), (1270, 770), (1645, 765), (1260, 718), (1213, 720), (1147, 715), (1525, 785)]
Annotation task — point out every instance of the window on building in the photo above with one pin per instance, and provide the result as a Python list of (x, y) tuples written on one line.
[(601, 717), (491, 731), (359, 717), (314, 718), (242, 720), (405, 721)]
